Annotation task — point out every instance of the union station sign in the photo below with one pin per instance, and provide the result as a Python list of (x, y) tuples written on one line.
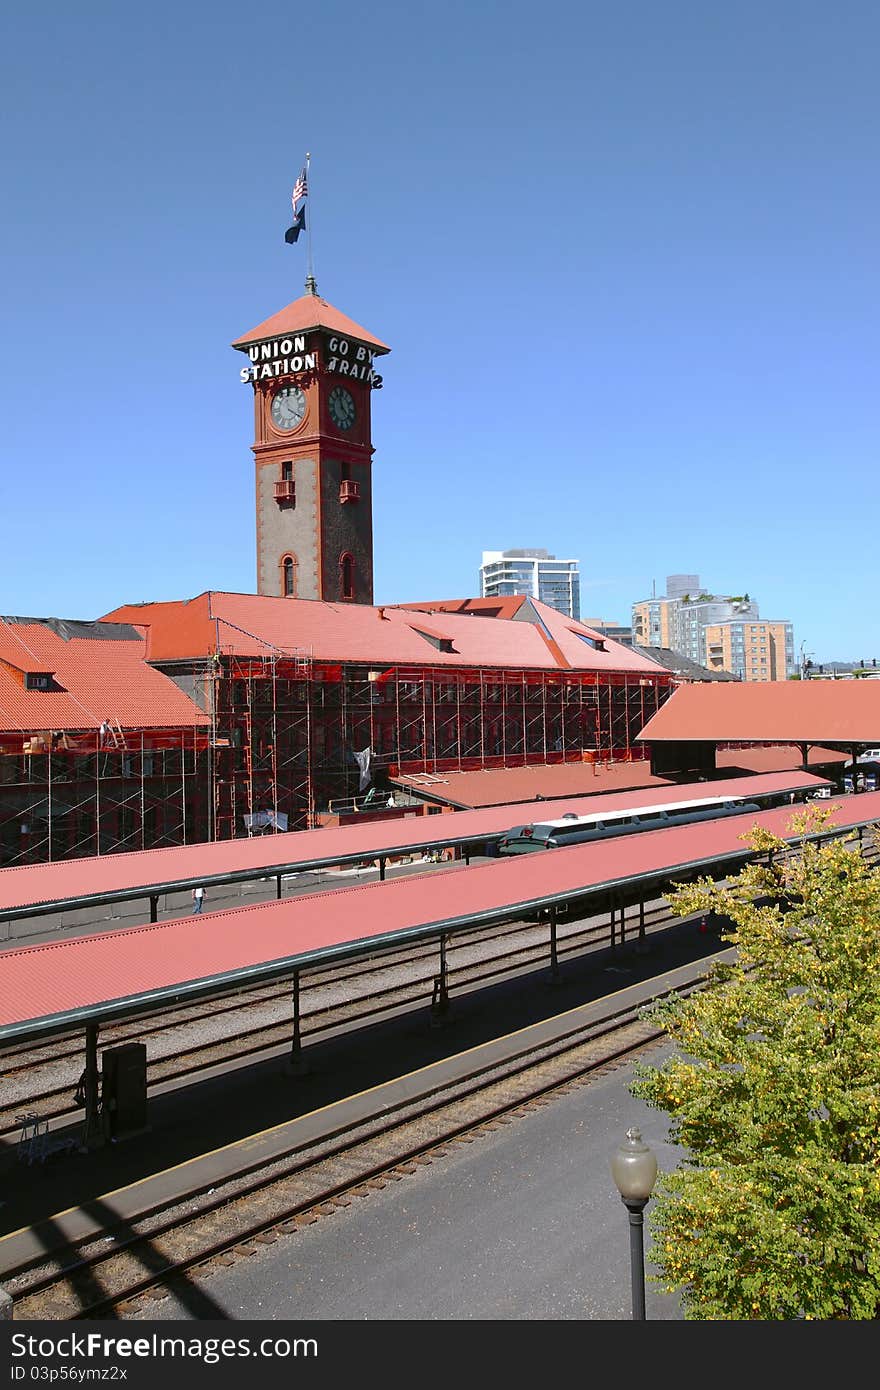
[(293, 355)]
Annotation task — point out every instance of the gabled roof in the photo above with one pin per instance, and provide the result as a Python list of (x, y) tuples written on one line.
[(310, 311), (104, 676), (828, 712), (258, 625)]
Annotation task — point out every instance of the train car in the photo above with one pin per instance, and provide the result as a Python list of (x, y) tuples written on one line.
[(572, 829)]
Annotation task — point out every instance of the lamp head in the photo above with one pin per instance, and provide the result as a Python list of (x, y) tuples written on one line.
[(634, 1168)]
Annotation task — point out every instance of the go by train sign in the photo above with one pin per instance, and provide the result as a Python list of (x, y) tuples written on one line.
[(344, 357)]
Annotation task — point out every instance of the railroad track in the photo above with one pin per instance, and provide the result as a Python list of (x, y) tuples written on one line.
[(259, 1203), (256, 1203), (55, 1102), (23, 1057)]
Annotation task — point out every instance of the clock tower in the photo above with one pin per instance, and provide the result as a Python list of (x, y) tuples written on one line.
[(313, 372)]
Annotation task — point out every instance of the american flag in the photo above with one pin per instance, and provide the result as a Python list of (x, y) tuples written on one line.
[(300, 188)]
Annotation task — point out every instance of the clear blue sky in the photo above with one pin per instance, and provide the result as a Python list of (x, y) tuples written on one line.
[(626, 257)]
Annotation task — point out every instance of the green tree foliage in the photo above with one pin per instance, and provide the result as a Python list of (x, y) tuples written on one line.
[(774, 1094)]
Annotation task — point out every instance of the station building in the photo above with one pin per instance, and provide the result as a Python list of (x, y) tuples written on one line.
[(232, 714)]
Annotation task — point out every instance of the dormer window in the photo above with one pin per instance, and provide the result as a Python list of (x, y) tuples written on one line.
[(437, 639), (38, 680)]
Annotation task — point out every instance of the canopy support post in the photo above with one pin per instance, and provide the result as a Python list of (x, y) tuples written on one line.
[(295, 1064), (555, 977), (92, 1131), (440, 995)]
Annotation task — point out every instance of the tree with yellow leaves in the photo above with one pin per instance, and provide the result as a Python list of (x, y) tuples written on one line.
[(774, 1093)]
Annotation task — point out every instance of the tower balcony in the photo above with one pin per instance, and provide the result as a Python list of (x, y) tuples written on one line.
[(285, 491), (349, 490)]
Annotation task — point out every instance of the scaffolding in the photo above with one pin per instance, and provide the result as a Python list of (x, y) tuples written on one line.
[(262, 714), (291, 737), (290, 730), (107, 791)]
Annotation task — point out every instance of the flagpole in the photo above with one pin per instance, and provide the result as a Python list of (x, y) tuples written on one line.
[(311, 286)]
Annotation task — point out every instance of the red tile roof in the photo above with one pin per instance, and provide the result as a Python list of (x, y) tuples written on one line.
[(99, 679), (15, 652), (310, 311), (776, 711), (257, 625)]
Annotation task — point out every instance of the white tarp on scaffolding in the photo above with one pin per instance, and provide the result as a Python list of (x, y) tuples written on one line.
[(265, 820), (363, 761)]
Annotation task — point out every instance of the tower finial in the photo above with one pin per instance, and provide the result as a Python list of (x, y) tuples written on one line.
[(311, 285)]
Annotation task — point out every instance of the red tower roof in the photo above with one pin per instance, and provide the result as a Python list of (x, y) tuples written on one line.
[(311, 311)]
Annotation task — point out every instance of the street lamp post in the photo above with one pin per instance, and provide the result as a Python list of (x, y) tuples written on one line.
[(634, 1170)]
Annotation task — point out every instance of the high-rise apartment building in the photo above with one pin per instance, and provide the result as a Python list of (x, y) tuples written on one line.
[(650, 622), (692, 615), (534, 572), (754, 649), (722, 632)]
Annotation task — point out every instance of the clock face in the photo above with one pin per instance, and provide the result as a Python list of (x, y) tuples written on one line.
[(342, 410), (288, 408)]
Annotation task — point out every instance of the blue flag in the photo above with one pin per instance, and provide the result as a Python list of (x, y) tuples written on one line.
[(299, 223)]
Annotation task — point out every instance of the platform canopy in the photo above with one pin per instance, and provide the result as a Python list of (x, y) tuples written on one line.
[(842, 714), (35, 889), (550, 781), (112, 975)]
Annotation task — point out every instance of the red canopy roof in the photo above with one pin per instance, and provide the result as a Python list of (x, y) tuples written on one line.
[(58, 984), (814, 711), (119, 876), (547, 781), (776, 758)]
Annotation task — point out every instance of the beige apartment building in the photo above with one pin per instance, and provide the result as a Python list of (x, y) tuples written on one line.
[(652, 622), (721, 632), (755, 650)]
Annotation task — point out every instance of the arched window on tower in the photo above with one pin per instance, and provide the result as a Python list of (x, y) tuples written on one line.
[(288, 576), (346, 575)]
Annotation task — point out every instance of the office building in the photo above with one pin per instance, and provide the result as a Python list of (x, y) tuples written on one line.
[(535, 573)]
